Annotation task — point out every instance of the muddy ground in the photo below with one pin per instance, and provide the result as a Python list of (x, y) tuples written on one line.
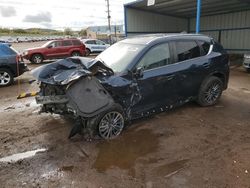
[(187, 147)]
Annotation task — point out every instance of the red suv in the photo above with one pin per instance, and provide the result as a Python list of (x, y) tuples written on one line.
[(55, 49)]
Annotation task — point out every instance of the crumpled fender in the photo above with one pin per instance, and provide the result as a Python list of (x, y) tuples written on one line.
[(87, 97)]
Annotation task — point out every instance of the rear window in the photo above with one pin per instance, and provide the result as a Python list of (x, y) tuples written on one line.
[(5, 50), (205, 46), (76, 42), (66, 43), (187, 50)]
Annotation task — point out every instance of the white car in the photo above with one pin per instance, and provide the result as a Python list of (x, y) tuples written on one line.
[(246, 62), (94, 46)]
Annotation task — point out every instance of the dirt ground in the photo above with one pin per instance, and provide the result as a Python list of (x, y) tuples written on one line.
[(188, 147)]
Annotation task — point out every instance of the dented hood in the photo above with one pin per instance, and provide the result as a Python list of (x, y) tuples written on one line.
[(67, 70)]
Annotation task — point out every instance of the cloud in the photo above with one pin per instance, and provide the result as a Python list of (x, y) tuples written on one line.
[(7, 11), (42, 17), (60, 14)]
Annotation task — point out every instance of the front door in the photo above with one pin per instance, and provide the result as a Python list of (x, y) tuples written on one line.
[(54, 50), (159, 85)]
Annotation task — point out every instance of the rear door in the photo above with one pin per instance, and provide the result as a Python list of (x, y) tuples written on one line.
[(100, 46), (66, 48), (191, 67)]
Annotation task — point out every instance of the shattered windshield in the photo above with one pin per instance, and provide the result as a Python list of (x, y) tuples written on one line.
[(119, 55)]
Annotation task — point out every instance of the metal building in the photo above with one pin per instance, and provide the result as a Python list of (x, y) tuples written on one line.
[(227, 21)]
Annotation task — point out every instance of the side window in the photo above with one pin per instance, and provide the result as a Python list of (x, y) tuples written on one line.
[(158, 56), (90, 42), (76, 42), (58, 44), (187, 50), (66, 43), (55, 44), (99, 42), (205, 46)]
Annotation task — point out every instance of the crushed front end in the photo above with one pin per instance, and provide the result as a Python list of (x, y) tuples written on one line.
[(71, 87)]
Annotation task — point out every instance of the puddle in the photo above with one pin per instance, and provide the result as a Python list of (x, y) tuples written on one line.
[(171, 168), (20, 156), (123, 151)]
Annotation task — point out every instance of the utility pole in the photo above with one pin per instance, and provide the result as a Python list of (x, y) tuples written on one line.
[(109, 26), (115, 34)]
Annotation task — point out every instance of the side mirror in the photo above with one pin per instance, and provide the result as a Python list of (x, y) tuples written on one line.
[(138, 73), (50, 46)]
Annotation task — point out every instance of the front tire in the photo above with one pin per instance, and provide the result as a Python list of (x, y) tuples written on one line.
[(210, 91), (110, 123), (37, 59), (6, 77)]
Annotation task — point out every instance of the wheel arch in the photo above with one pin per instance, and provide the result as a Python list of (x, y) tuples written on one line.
[(9, 68), (87, 48), (221, 76)]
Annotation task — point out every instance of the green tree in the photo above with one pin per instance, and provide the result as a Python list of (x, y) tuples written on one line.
[(68, 31), (83, 32), (4, 30), (19, 31)]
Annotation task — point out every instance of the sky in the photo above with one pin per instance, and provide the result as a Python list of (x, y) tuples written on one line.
[(59, 14)]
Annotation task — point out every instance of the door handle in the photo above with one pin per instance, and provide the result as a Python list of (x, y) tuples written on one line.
[(165, 78), (206, 65)]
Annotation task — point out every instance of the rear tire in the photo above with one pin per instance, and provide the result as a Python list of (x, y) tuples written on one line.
[(88, 52), (6, 77), (36, 59), (210, 91), (75, 54)]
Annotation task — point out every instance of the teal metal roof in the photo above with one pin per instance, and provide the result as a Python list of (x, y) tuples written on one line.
[(187, 8)]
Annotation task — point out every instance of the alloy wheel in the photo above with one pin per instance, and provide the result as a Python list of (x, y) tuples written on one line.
[(75, 54), (111, 125), (37, 59), (212, 93), (5, 78)]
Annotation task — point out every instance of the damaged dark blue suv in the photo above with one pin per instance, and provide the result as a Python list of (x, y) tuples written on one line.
[(134, 78)]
